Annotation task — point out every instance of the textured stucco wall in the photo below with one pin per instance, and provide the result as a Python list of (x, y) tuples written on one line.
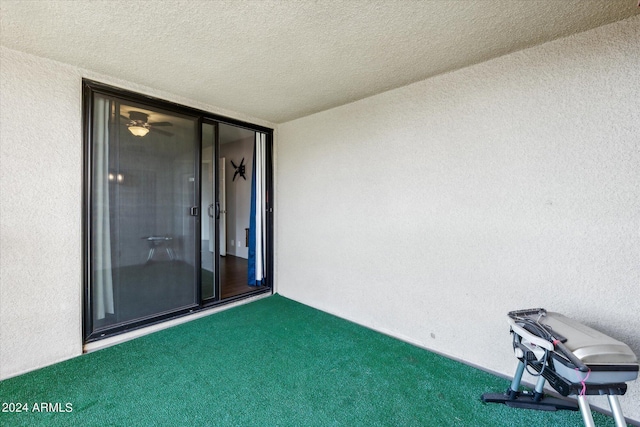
[(430, 211), (40, 212), (41, 207)]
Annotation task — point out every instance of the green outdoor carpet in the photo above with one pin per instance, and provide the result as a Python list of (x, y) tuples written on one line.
[(273, 362)]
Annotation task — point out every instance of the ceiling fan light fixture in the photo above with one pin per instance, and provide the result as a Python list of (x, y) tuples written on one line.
[(139, 130)]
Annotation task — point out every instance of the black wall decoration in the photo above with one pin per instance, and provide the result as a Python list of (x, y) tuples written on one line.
[(239, 170)]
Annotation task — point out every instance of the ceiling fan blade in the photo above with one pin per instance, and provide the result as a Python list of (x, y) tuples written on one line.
[(163, 132), (161, 124)]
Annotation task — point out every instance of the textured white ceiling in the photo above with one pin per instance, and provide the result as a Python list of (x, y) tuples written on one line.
[(279, 60)]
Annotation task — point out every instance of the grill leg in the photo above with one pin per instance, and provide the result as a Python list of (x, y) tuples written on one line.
[(539, 390), (616, 409), (585, 410), (515, 384)]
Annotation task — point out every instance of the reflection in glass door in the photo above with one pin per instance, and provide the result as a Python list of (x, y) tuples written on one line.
[(143, 228)]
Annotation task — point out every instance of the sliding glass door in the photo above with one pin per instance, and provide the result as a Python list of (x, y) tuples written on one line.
[(143, 233), (160, 240)]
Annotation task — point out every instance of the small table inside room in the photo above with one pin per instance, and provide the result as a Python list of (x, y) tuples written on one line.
[(156, 242)]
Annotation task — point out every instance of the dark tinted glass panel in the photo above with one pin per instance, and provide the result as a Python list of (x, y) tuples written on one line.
[(143, 184)]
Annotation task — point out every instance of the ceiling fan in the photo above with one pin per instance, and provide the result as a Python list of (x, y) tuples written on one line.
[(138, 124)]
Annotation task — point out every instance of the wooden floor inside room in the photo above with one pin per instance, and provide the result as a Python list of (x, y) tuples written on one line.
[(233, 276)]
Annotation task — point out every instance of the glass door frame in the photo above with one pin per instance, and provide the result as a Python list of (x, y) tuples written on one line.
[(89, 88), (205, 213)]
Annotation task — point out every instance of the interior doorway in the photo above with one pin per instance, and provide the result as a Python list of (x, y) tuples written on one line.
[(227, 180)]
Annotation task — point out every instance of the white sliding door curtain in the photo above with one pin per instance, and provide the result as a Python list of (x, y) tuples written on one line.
[(102, 280), (257, 220)]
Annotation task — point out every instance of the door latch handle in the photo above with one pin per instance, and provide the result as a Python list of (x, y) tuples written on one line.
[(194, 211), (217, 210), (209, 210)]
